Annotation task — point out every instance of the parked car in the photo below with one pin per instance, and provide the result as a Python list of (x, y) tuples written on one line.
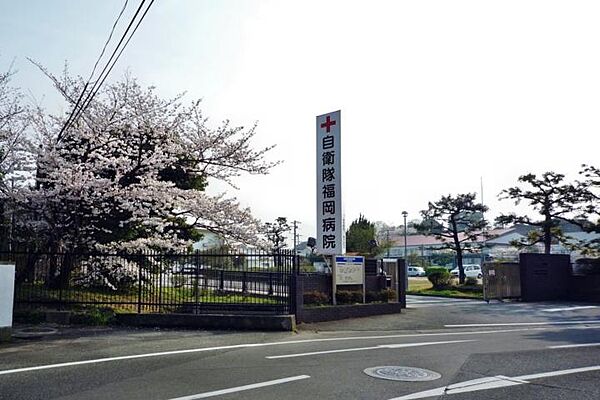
[(187, 269), (415, 271), (471, 271)]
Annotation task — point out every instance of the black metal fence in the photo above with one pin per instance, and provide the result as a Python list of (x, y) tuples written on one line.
[(194, 282)]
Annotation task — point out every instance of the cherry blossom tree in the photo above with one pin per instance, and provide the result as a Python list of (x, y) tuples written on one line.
[(14, 120), (130, 173)]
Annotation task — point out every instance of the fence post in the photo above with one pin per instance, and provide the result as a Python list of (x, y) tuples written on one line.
[(197, 281), (60, 284), (296, 264), (161, 265), (139, 284), (244, 282)]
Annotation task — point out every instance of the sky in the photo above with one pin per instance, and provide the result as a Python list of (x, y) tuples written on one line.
[(435, 96)]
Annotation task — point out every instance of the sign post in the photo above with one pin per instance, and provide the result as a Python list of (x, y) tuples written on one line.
[(348, 271)]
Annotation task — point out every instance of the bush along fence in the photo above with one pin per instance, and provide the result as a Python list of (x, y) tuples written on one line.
[(317, 290), (192, 282)]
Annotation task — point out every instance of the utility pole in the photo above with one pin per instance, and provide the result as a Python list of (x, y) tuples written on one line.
[(405, 214), (295, 235), (387, 242)]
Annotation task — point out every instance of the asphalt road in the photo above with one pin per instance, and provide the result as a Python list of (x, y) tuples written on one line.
[(481, 351)]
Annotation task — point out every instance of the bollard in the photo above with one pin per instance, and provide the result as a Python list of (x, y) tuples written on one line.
[(7, 290)]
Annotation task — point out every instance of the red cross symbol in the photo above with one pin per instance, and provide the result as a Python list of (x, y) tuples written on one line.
[(327, 124)]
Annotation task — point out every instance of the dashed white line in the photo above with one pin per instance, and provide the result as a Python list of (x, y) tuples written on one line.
[(573, 346), (242, 388), (459, 303), (523, 324), (568, 308), (383, 346)]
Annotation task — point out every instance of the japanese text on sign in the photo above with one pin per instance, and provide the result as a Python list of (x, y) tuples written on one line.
[(349, 270), (330, 232)]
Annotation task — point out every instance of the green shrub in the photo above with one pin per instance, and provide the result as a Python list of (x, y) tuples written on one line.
[(372, 296), (388, 295), (439, 277), (471, 281), (383, 296), (356, 297), (348, 297), (94, 316), (316, 297)]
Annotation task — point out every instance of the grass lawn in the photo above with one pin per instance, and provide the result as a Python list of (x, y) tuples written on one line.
[(422, 286), (418, 284), (126, 300)]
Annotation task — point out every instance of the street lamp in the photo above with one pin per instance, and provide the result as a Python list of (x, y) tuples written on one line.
[(404, 214)]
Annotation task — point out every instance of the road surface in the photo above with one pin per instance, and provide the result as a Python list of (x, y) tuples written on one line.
[(479, 350)]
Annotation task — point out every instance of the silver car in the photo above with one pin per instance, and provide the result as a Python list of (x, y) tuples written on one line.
[(471, 271), (416, 271)]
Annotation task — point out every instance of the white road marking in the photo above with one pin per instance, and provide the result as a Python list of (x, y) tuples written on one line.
[(435, 300), (523, 324), (568, 308), (383, 346), (458, 303), (250, 345), (493, 382), (242, 388), (572, 346)]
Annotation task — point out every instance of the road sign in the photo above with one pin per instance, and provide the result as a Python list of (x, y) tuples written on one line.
[(350, 270)]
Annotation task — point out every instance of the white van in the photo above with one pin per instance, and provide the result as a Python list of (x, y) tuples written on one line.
[(471, 271)]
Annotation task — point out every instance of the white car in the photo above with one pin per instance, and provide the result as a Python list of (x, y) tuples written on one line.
[(416, 271), (471, 271)]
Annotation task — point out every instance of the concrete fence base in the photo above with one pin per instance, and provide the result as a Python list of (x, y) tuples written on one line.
[(334, 313), (211, 321)]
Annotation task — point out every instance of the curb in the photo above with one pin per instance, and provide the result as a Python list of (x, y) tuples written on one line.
[(211, 321)]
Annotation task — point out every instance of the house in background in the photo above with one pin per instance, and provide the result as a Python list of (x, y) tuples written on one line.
[(497, 244), (209, 241)]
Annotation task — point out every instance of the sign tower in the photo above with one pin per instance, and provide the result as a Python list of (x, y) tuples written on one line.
[(330, 229)]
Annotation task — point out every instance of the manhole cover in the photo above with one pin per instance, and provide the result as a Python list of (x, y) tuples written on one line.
[(34, 332), (406, 374)]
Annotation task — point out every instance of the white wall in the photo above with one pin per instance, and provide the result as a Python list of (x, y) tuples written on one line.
[(7, 289)]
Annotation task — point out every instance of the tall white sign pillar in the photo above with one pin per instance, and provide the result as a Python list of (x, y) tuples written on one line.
[(330, 229)]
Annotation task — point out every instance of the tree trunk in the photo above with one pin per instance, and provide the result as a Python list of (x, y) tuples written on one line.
[(459, 262), (547, 234), (459, 254)]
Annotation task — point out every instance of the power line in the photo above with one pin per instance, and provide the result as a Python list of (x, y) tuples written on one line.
[(93, 70), (96, 88), (108, 40), (108, 67)]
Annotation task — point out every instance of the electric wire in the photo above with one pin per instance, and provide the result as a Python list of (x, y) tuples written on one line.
[(112, 31), (97, 87), (77, 112)]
